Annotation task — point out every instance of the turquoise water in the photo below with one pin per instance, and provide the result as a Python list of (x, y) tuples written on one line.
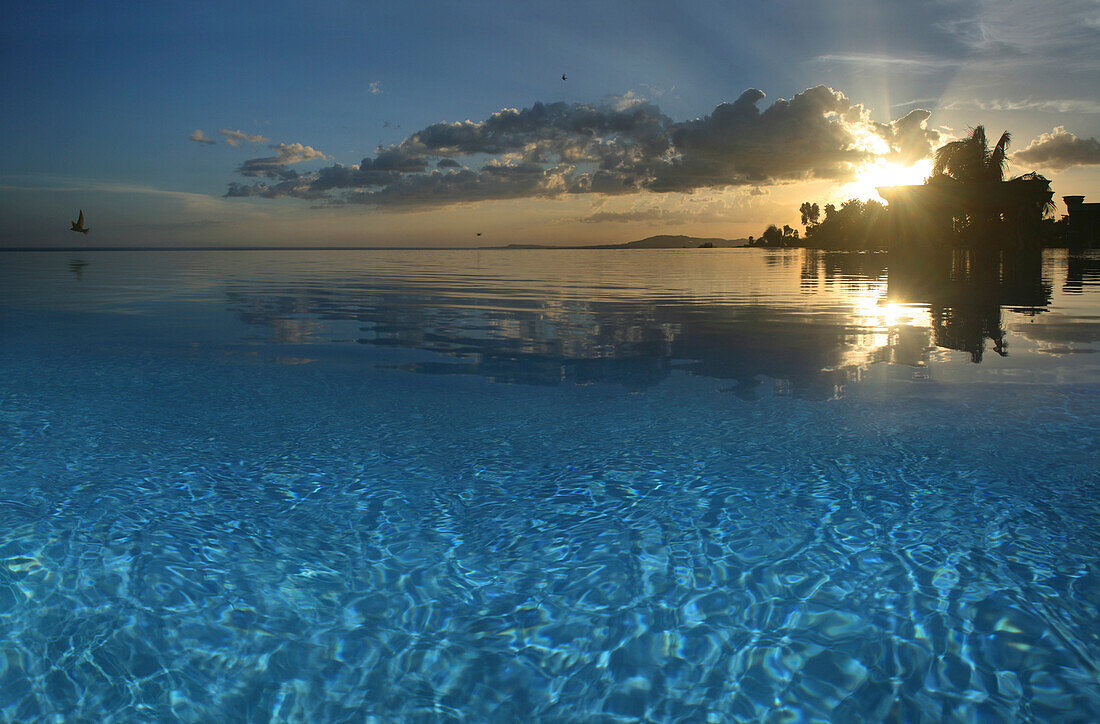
[(599, 486)]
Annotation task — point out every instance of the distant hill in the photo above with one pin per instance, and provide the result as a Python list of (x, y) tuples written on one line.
[(669, 241), (662, 241)]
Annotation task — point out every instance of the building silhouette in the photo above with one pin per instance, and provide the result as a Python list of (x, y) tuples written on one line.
[(996, 214), (1082, 223)]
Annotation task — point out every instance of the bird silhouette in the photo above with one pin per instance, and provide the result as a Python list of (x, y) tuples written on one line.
[(479, 233), (78, 225), (563, 76)]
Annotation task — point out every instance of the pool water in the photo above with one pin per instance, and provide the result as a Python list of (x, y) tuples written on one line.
[(534, 485)]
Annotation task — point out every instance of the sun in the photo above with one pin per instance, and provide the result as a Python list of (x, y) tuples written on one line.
[(885, 173)]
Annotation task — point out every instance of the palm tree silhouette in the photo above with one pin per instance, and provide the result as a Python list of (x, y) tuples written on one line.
[(970, 159), (980, 196)]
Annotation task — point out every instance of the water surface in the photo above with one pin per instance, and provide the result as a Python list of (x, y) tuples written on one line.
[(548, 485)]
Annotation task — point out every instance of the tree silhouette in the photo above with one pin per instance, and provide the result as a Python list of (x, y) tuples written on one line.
[(772, 236), (970, 159), (980, 203), (810, 213), (856, 225)]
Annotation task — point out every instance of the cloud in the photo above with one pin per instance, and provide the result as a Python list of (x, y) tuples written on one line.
[(276, 166), (909, 137), (374, 88), (296, 153), (288, 187), (1059, 150), (234, 138), (916, 102), (653, 91), (199, 137), (1053, 105), (922, 64), (496, 180), (704, 212), (621, 145), (819, 133), (1025, 29), (63, 183), (601, 217)]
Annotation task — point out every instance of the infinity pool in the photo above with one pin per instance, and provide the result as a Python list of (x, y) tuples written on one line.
[(527, 485)]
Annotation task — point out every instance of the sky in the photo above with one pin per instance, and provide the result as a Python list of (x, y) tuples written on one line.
[(449, 124)]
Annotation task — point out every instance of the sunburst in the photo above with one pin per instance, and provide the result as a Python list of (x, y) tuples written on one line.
[(881, 172)]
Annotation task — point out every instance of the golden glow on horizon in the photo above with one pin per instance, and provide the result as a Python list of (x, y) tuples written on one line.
[(885, 173)]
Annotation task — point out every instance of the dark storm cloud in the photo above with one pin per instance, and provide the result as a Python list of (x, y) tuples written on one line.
[(1059, 150), (623, 145)]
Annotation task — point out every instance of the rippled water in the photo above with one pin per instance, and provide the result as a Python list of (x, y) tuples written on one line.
[(700, 485)]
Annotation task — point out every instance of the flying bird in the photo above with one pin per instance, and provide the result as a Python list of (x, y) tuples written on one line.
[(78, 225), (563, 76)]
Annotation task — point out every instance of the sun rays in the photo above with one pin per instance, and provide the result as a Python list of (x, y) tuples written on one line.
[(881, 172)]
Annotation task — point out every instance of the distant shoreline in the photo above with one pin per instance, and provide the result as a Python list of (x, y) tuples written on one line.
[(661, 241), (240, 248), (653, 242), (510, 247)]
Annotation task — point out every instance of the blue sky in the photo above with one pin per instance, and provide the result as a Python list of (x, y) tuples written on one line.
[(101, 100)]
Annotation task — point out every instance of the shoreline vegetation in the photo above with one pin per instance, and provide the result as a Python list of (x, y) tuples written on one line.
[(965, 203)]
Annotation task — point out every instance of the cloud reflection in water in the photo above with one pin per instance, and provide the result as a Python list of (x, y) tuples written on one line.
[(808, 322)]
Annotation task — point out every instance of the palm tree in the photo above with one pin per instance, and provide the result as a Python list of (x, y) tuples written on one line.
[(983, 197), (970, 159)]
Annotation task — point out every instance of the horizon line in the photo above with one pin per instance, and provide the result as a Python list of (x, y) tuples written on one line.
[(506, 247), (254, 248)]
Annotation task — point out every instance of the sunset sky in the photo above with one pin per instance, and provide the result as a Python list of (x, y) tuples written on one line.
[(426, 123)]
